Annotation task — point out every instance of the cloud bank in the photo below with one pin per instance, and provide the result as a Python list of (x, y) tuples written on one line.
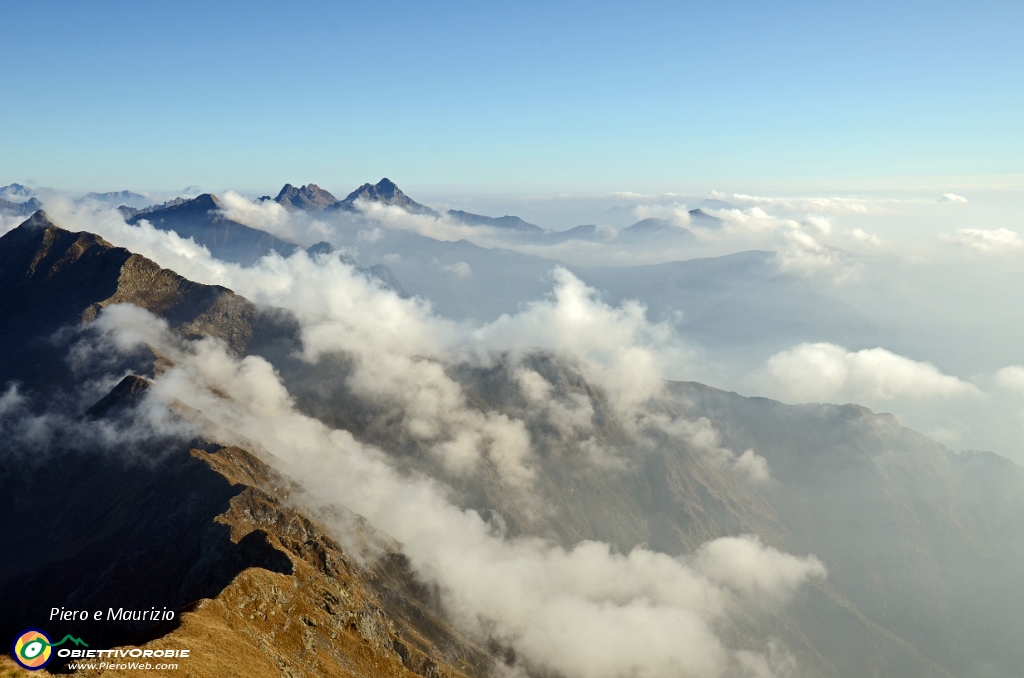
[(824, 372), (585, 611), (996, 241)]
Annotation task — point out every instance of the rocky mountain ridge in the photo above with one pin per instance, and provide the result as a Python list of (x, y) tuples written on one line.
[(210, 532), (922, 546), (22, 209)]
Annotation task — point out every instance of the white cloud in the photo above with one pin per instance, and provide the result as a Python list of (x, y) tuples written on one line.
[(439, 228), (572, 415), (1012, 378), (634, 196), (675, 214), (583, 612), (370, 235), (952, 197), (267, 215), (998, 241), (823, 205), (862, 236), (621, 351), (805, 256), (744, 563), (823, 372), (823, 225), (702, 437)]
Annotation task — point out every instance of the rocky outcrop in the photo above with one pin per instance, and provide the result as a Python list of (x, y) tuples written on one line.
[(52, 279), (309, 198)]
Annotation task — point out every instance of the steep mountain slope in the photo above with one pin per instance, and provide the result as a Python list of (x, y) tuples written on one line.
[(201, 220), (927, 543), (259, 587), (923, 546), (212, 533), (919, 542), (51, 279)]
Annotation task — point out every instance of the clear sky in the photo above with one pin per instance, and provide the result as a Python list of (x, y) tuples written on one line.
[(157, 96)]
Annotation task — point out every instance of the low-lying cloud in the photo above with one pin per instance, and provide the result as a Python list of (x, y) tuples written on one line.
[(583, 611), (823, 372), (995, 241)]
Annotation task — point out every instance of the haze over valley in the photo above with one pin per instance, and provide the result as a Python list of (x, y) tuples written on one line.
[(512, 340), (519, 449)]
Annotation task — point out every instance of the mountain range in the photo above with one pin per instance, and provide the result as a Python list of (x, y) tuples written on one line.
[(21, 209), (312, 198), (923, 546), (732, 303)]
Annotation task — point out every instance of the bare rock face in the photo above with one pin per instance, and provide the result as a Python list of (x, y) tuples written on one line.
[(51, 278), (309, 198), (386, 192)]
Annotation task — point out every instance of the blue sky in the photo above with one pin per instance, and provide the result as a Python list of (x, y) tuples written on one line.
[(481, 96)]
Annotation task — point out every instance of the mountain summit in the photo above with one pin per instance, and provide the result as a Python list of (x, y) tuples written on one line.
[(16, 192), (201, 219), (310, 198), (386, 192)]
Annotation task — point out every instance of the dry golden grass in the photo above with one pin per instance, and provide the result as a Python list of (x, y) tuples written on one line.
[(322, 620)]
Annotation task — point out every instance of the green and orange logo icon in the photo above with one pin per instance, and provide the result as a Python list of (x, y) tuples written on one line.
[(33, 650)]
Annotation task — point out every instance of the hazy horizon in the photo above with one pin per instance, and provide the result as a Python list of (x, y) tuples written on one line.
[(683, 340)]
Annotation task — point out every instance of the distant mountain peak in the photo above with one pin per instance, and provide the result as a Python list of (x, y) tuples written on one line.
[(507, 222), (701, 218), (16, 192), (654, 227), (114, 196), (200, 219), (20, 208), (387, 192), (310, 198), (39, 219)]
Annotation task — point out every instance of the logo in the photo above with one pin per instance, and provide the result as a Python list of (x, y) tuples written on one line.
[(32, 649)]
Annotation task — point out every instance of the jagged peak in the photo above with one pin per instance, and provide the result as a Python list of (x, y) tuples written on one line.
[(384, 190), (286, 190), (310, 197), (387, 192), (39, 219)]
